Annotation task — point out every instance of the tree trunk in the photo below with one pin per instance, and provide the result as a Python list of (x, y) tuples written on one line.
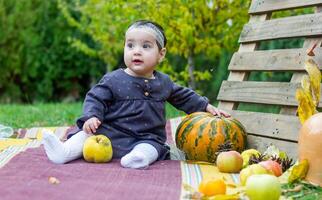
[(191, 68), (109, 68)]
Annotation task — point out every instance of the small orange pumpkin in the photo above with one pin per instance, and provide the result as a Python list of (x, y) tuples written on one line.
[(310, 147)]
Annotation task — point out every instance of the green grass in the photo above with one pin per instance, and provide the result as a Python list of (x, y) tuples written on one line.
[(35, 115), (53, 114)]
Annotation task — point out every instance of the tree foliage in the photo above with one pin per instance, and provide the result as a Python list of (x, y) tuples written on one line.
[(37, 62), (192, 28), (51, 50)]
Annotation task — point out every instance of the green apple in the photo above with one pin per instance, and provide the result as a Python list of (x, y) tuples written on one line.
[(263, 186), (229, 162), (97, 149), (251, 170)]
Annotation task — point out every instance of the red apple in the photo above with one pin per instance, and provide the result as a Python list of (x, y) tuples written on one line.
[(229, 162), (273, 166), (263, 186)]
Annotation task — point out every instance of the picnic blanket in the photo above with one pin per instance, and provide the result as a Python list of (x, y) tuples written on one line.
[(25, 172)]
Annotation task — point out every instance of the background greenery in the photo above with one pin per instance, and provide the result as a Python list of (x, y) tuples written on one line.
[(52, 52), (50, 114)]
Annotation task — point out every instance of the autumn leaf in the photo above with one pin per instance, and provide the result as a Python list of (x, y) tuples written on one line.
[(192, 192), (299, 171), (224, 197), (305, 83), (306, 106), (53, 180), (315, 79), (189, 188)]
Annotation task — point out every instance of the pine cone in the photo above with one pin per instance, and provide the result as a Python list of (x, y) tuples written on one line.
[(254, 159), (226, 146)]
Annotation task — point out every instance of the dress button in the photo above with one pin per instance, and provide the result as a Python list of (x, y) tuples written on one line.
[(146, 81), (146, 93)]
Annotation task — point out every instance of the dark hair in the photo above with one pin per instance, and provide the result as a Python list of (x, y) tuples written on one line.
[(158, 26)]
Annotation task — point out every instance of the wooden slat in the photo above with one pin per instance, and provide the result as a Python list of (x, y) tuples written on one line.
[(296, 26), (275, 93), (292, 110), (277, 126), (241, 76), (273, 60), (308, 43), (262, 143), (260, 6)]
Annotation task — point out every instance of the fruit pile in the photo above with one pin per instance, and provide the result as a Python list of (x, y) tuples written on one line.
[(265, 175), (259, 172)]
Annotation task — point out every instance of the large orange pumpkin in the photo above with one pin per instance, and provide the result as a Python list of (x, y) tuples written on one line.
[(310, 147), (200, 134)]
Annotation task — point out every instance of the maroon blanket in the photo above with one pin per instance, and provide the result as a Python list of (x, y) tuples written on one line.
[(26, 177)]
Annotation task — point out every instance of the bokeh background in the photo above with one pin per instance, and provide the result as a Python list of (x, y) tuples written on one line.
[(52, 52)]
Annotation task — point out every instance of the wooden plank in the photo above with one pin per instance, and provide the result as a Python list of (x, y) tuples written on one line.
[(274, 93), (260, 6), (269, 125), (292, 110), (241, 76), (261, 143), (273, 60), (296, 26), (308, 43)]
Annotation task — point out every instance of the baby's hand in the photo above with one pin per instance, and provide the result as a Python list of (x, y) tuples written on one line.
[(91, 125), (215, 111)]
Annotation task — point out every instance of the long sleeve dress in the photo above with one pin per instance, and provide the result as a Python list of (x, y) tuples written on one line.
[(132, 109)]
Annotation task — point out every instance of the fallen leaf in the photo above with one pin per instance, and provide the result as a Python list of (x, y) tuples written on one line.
[(272, 151), (299, 171), (53, 180), (224, 197), (297, 188), (189, 188)]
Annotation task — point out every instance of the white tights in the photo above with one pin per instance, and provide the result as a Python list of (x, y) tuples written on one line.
[(141, 156)]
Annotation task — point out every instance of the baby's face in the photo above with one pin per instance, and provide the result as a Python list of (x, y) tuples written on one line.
[(141, 52)]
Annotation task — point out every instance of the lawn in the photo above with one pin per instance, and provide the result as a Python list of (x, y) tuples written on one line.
[(49, 114)]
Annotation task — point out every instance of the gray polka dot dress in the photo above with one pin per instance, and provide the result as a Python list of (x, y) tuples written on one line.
[(132, 109)]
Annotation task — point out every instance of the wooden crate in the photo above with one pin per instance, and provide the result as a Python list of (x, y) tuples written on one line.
[(266, 128)]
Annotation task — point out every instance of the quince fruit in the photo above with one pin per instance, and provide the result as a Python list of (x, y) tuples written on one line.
[(97, 149)]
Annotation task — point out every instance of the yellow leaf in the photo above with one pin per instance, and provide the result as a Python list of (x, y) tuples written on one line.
[(299, 171), (192, 192), (305, 83), (315, 79), (189, 188), (306, 106), (224, 197)]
